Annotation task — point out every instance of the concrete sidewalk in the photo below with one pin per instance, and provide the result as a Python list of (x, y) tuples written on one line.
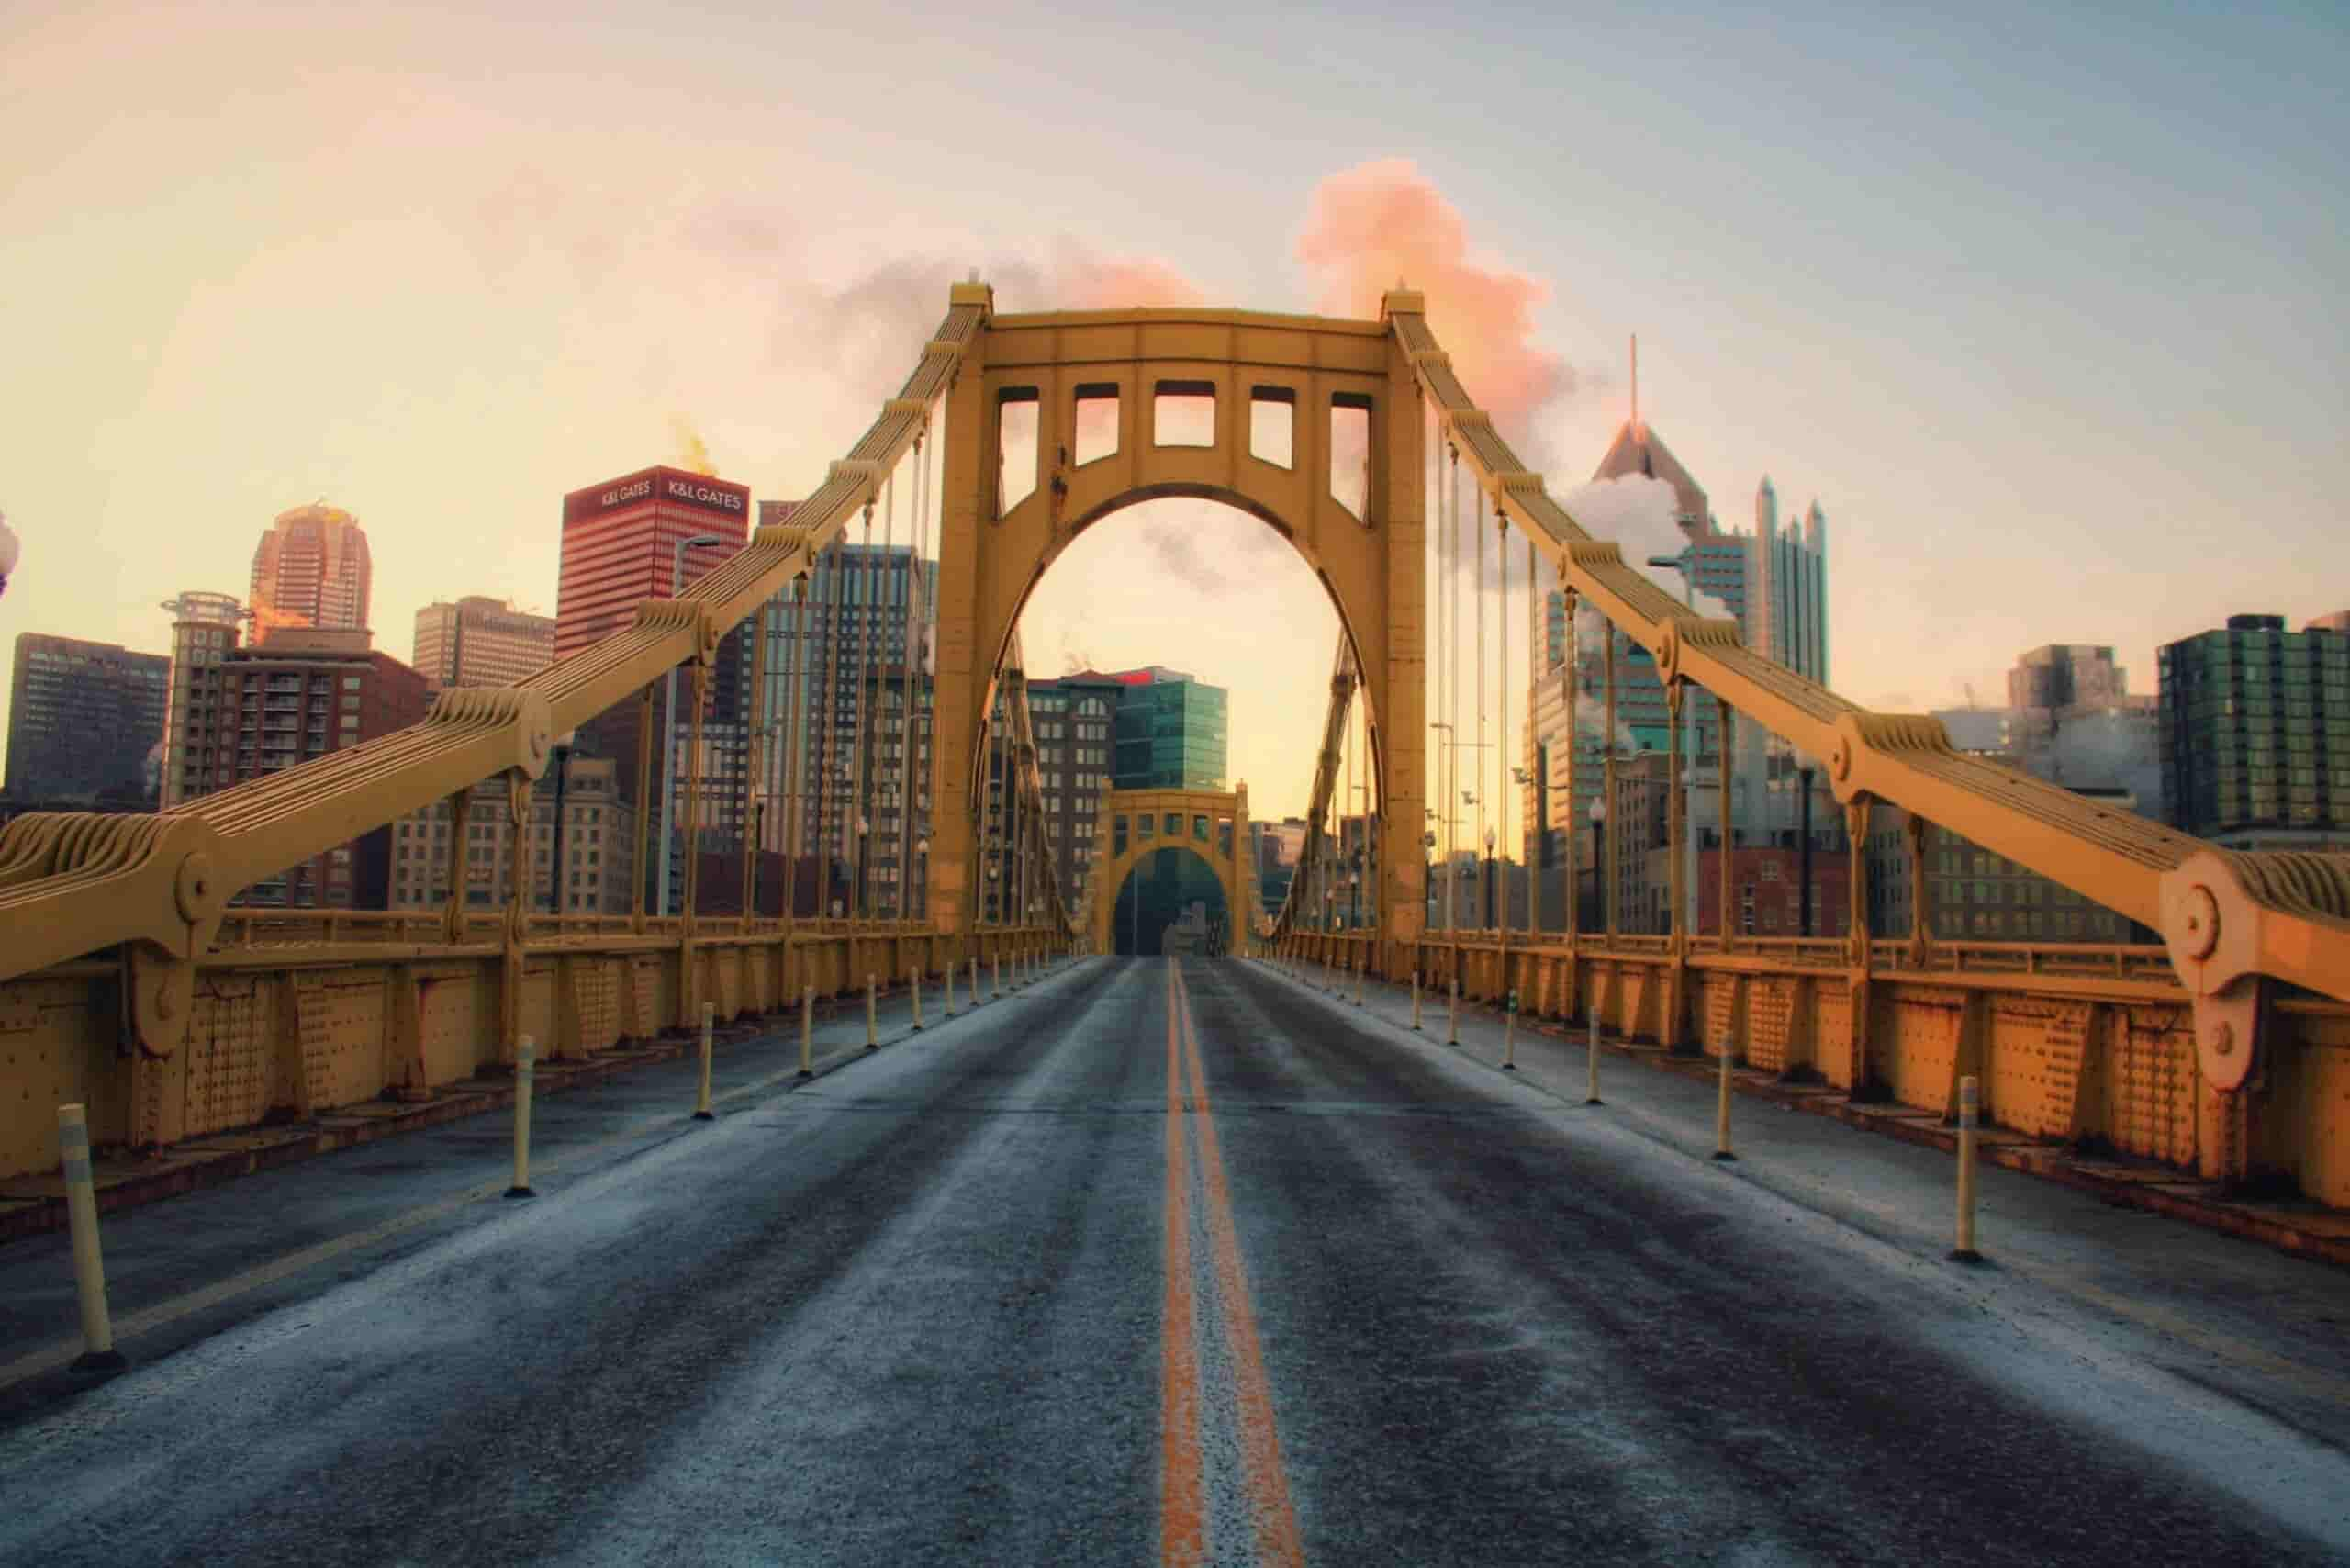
[(180, 1271), (2303, 1229), (31, 1206), (2263, 1328)]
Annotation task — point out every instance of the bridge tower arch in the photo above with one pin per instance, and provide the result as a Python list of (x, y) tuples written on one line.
[(1132, 825), (1001, 532)]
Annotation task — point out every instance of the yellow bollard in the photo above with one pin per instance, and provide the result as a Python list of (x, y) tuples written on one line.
[(872, 1025), (702, 1111), (946, 972), (995, 976), (525, 1069), (98, 1354), (1721, 1109), (808, 1033), (1509, 1032), (1591, 1059), (1454, 1037), (1415, 1001), (1362, 969), (975, 981), (1970, 1102), (913, 979)]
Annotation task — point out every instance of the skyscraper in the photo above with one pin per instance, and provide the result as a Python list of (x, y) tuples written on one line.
[(619, 541), (82, 718), (294, 696), (1772, 581), (828, 657), (480, 642), (1172, 731), (312, 569), (2255, 735), (204, 628)]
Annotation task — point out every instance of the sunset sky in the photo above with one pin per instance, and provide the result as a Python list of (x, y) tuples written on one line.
[(2043, 305)]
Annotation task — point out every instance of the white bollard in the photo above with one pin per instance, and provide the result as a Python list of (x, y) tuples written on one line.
[(808, 1033), (525, 1070), (914, 980), (872, 1022), (1970, 1105), (1362, 969), (946, 972), (975, 980), (1453, 1037), (1509, 1032), (98, 1354), (1591, 1059), (702, 1111), (1721, 1110), (1415, 1001), (995, 976)]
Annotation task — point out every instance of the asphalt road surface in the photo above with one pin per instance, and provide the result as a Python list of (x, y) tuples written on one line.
[(1166, 1263)]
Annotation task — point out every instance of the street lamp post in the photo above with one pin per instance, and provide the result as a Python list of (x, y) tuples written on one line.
[(1604, 883), (563, 743), (669, 717)]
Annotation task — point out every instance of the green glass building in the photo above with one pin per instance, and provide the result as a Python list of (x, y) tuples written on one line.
[(2255, 734), (1171, 733)]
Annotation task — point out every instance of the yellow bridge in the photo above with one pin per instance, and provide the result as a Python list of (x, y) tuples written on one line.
[(128, 981)]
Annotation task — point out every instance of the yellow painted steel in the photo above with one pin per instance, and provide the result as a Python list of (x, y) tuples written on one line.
[(2229, 920), (2200, 1052), (913, 990), (1229, 860)]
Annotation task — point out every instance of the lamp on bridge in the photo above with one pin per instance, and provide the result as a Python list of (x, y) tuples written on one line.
[(1598, 864), (858, 902), (1492, 875), (562, 745)]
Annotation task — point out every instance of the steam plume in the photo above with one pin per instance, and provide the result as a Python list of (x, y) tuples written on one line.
[(1384, 221), (693, 452)]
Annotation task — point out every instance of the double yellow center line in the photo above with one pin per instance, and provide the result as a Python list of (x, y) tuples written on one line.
[(1183, 1510)]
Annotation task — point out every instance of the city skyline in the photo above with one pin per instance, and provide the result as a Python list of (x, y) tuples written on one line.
[(1961, 337)]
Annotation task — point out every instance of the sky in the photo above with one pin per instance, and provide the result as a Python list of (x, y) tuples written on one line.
[(2041, 304)]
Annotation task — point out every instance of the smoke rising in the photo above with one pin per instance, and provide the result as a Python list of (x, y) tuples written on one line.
[(693, 452), (1637, 513), (1384, 222)]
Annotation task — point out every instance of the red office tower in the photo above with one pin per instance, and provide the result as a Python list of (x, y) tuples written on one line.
[(620, 542), (619, 539)]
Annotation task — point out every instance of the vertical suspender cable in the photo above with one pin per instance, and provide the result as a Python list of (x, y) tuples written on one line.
[(794, 760), (1500, 738), (1443, 627), (916, 542), (1536, 826), (1452, 693), (883, 567), (1477, 592), (854, 818)]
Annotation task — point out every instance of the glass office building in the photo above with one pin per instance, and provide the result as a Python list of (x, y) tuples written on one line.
[(1171, 733)]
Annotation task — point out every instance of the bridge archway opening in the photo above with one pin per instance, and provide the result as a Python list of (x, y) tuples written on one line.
[(1215, 588), (1312, 429), (1171, 900)]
